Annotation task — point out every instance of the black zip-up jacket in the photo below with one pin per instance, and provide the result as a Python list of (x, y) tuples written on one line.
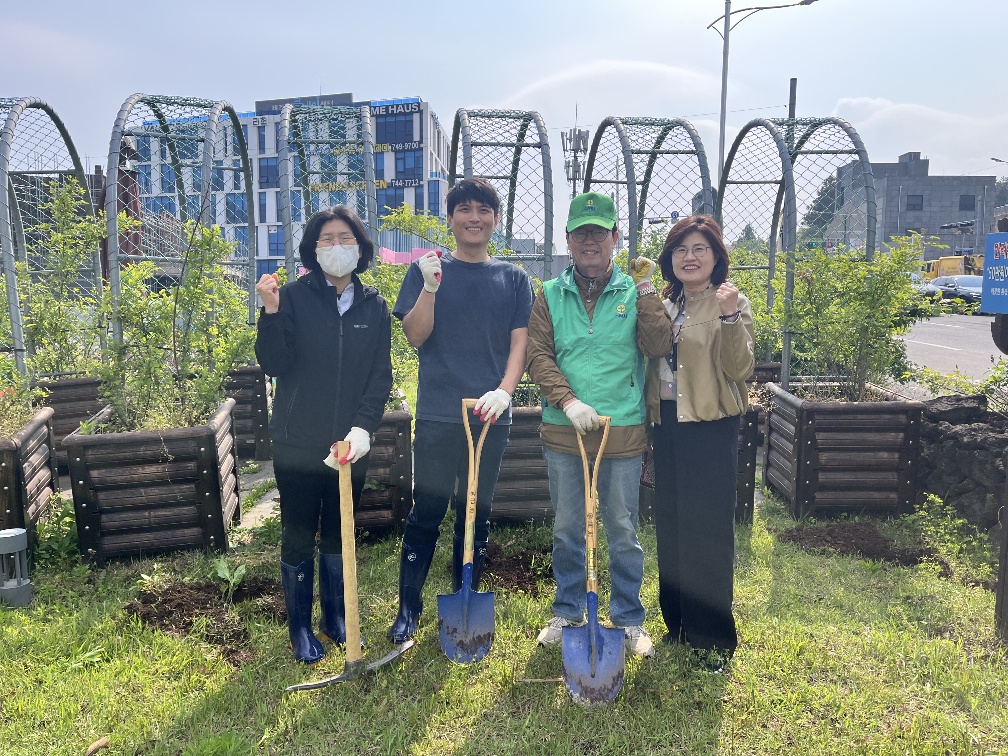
[(332, 372)]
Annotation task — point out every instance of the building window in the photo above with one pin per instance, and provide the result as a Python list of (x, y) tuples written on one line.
[(235, 208), (394, 129), (143, 149), (276, 136), (409, 164), (217, 179), (389, 199), (915, 202), (241, 238), (262, 138), (163, 151), (262, 208), (168, 179), (187, 141), (418, 199), (328, 168), (269, 172), (434, 197), (276, 248), (144, 179), (379, 166), (337, 198), (295, 205), (193, 206), (967, 202), (337, 130), (237, 173), (158, 205), (197, 179)]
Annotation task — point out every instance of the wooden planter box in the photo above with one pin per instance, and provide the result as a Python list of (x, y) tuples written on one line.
[(28, 474), (249, 387), (522, 491), (74, 400), (386, 504), (153, 491), (832, 456)]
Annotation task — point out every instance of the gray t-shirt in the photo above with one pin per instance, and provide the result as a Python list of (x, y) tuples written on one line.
[(475, 309)]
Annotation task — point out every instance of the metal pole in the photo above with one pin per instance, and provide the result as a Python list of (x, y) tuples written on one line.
[(724, 89), (792, 97)]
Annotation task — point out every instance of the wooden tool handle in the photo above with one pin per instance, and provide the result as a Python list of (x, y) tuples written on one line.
[(591, 503), (352, 611), (472, 487)]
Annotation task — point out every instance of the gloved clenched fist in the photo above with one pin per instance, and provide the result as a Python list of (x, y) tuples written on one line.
[(583, 417), (641, 269), (492, 405), (360, 444), (430, 266)]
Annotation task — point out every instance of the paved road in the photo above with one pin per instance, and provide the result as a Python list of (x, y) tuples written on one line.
[(954, 341)]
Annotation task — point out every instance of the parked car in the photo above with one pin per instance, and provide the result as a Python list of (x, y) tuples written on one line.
[(967, 288)]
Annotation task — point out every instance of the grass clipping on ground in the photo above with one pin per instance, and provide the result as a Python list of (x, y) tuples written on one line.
[(847, 653)]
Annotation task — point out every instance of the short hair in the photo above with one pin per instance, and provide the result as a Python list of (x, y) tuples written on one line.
[(313, 230), (475, 190), (711, 231)]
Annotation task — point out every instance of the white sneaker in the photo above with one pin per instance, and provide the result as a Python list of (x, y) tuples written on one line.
[(553, 632), (638, 641)]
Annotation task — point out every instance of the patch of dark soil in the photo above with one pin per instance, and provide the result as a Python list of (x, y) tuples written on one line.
[(180, 609), (520, 571), (860, 539)]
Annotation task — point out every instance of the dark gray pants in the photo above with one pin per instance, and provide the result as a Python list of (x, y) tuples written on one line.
[(695, 488)]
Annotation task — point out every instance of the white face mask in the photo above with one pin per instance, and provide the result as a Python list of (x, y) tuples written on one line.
[(338, 261)]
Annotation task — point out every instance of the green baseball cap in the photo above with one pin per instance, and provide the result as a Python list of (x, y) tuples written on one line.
[(591, 208)]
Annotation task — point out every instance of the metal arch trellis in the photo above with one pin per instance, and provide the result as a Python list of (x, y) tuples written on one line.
[(497, 145), (35, 149), (780, 169), (200, 155), (668, 156), (324, 149)]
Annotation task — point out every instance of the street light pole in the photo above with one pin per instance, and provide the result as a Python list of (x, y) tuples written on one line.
[(728, 26)]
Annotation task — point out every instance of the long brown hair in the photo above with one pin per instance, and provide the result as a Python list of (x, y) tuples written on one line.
[(711, 231)]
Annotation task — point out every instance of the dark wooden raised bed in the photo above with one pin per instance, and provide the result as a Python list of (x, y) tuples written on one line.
[(248, 386), (28, 474), (152, 491), (522, 491), (74, 400), (388, 496), (834, 456)]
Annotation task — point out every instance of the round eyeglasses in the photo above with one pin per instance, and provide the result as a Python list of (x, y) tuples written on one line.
[(328, 240), (597, 233), (699, 251)]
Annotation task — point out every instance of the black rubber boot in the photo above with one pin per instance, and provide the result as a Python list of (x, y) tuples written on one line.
[(413, 567), (479, 558), (331, 597), (298, 588)]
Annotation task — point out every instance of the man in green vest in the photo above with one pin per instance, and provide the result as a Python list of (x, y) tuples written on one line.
[(589, 334)]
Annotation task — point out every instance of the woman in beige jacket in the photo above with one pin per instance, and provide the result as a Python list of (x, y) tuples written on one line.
[(702, 393)]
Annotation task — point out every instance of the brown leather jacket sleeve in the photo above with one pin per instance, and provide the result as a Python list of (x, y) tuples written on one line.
[(542, 366)]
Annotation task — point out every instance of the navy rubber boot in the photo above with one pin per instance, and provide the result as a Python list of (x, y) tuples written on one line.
[(298, 588), (413, 567), (479, 559), (331, 597)]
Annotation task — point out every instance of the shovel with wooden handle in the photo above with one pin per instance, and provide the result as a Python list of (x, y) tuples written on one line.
[(355, 666), (466, 618), (593, 656)]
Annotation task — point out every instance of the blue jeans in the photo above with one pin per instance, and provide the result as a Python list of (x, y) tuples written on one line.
[(618, 484)]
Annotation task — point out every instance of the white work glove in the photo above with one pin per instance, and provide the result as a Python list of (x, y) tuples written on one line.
[(360, 444), (492, 405), (430, 266), (582, 417)]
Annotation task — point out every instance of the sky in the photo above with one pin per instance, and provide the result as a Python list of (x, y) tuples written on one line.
[(909, 75)]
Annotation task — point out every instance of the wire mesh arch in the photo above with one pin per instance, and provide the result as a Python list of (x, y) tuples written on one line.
[(324, 151), (662, 166), (35, 151), (510, 149), (170, 161)]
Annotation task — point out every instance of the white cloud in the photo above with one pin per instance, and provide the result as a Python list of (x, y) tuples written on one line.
[(956, 143)]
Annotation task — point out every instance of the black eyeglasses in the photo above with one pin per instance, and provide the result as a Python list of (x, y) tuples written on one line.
[(699, 251), (597, 233)]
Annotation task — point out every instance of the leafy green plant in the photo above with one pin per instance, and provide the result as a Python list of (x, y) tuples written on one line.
[(17, 400), (232, 576), (937, 525), (180, 343), (57, 535)]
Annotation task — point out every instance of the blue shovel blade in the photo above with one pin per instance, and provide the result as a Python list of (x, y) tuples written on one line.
[(466, 621), (593, 671)]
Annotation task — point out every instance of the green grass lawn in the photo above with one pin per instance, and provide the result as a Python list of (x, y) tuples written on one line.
[(837, 655)]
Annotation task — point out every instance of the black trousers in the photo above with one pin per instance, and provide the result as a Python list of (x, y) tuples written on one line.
[(695, 488), (310, 503)]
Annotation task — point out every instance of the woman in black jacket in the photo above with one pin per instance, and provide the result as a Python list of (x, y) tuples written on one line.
[(327, 340)]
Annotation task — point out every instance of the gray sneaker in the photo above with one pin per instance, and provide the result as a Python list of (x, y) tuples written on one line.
[(553, 632), (638, 641)]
